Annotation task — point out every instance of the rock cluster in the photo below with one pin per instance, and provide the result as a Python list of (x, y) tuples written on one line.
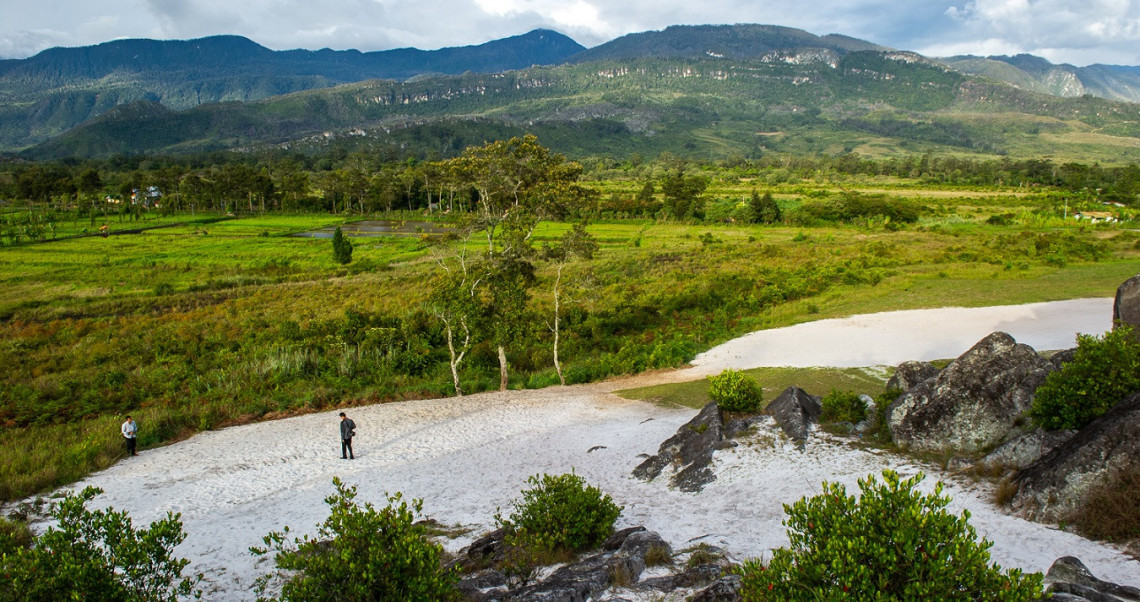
[(974, 402), (620, 565)]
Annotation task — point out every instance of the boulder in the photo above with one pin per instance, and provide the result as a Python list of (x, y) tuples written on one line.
[(909, 374), (725, 589), (691, 448), (1060, 482), (614, 542), (1023, 450), (1070, 578), (1062, 357), (637, 546), (589, 578), (577, 582), (795, 410), (974, 402), (1126, 307)]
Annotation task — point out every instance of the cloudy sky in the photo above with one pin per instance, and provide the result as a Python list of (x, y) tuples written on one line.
[(1071, 31)]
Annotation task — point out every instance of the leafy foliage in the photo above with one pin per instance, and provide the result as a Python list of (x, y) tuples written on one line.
[(560, 513), (95, 555), (764, 208), (1103, 371), (843, 406), (342, 247), (360, 553), (735, 391), (891, 543)]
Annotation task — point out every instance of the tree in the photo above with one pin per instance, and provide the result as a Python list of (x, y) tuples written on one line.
[(454, 301), (683, 195), (96, 555), (342, 247), (508, 283), (764, 208), (518, 182), (361, 553), (576, 243)]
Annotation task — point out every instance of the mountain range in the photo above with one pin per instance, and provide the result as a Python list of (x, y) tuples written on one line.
[(702, 90)]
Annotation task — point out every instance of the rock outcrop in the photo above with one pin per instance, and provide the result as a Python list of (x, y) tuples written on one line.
[(795, 410), (622, 561), (1023, 450), (974, 402), (691, 449), (1126, 307), (1069, 579), (909, 374), (1060, 482)]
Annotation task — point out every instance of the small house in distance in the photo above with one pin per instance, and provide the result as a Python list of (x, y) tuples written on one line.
[(1096, 217)]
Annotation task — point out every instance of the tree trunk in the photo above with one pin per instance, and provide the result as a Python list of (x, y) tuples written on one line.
[(454, 360), (502, 368), (557, 365)]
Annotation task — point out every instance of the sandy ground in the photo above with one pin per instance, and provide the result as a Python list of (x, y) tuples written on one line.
[(468, 457)]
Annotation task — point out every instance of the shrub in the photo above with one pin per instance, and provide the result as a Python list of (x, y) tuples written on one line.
[(1112, 512), (361, 553), (735, 391), (560, 512), (891, 543), (342, 247), (94, 555), (1103, 371), (843, 406), (14, 534)]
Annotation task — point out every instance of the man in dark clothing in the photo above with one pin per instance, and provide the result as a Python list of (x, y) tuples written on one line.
[(347, 431)]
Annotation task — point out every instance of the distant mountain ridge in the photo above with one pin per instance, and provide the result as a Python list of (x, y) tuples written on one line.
[(742, 41), (715, 89), (1114, 82), (228, 55), (51, 92)]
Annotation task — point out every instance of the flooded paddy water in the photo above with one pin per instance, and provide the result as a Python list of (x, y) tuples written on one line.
[(380, 227)]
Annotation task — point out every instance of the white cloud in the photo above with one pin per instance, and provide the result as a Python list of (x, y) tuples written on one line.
[(1062, 30)]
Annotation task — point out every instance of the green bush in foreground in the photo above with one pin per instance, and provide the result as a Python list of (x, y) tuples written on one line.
[(843, 406), (1103, 371), (560, 513), (94, 555), (361, 553), (735, 391), (891, 543)]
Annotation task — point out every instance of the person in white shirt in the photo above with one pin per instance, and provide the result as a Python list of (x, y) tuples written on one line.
[(130, 429)]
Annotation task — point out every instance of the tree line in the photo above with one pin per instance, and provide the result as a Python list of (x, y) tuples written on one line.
[(362, 183)]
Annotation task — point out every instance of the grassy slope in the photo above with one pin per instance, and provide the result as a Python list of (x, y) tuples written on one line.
[(188, 327)]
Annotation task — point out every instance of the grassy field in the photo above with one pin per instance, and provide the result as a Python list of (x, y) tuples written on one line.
[(202, 325)]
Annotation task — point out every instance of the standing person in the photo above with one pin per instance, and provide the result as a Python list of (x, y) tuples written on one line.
[(347, 432), (130, 428)]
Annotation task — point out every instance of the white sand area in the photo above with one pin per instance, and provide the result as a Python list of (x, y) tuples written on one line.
[(467, 457)]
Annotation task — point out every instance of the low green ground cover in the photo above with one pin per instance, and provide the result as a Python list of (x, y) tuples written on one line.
[(198, 326)]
